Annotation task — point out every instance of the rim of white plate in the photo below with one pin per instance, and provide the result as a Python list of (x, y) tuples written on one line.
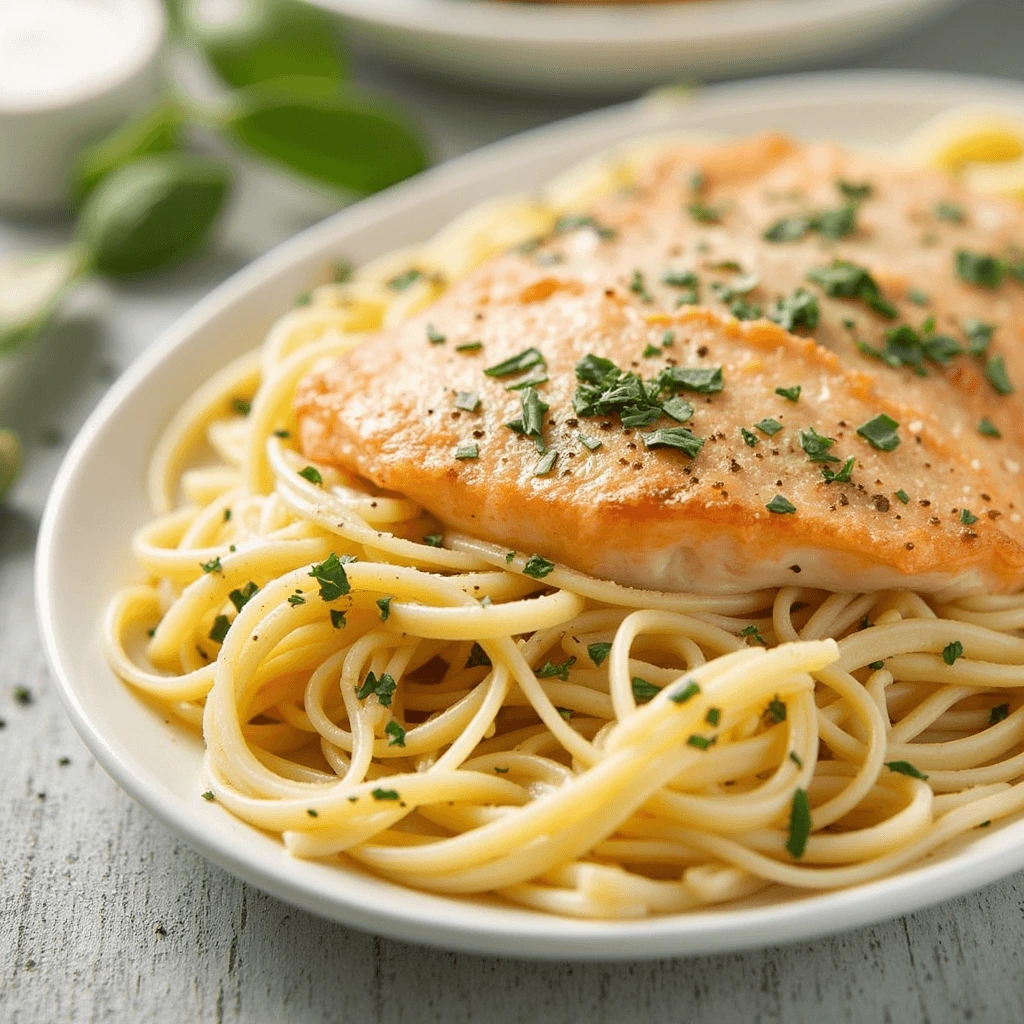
[(372, 904), (559, 24)]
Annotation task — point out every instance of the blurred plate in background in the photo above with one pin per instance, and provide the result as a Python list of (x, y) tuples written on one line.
[(579, 47)]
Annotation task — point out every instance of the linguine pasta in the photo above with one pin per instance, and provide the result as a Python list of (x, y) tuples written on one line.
[(465, 719)]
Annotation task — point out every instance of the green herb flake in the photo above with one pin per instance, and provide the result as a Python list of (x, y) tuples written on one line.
[(880, 433), (208, 795), (383, 688), (558, 670), (679, 279), (644, 691), (776, 711), (817, 446), (876, 665), (242, 406), (950, 212), (700, 742), (546, 464), (312, 812), (469, 346), (799, 824), (500, 771), (477, 657), (967, 517), (713, 715), (395, 733), (384, 794), (538, 567), (384, 604), (855, 193), (978, 336), (342, 271), (796, 759), (434, 336), (788, 229), (979, 269), (995, 371), (988, 429), (331, 576), (295, 600), (241, 597), (213, 565), (312, 474), (402, 281), (703, 380), (841, 475), (844, 280), (918, 297), (516, 364), (749, 437), (768, 426), (639, 288), (598, 652), (467, 401), (998, 713), (953, 650), (302, 299), (589, 442), (800, 310), (687, 689), (338, 619), (781, 506), (790, 394), (566, 713), (467, 451), (905, 768), (754, 634), (651, 351), (679, 438), (221, 624), (903, 496), (704, 214)]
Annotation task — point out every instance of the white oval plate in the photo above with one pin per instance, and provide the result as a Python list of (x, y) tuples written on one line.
[(98, 500), (573, 47)]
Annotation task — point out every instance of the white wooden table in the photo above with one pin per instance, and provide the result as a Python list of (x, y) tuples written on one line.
[(106, 916)]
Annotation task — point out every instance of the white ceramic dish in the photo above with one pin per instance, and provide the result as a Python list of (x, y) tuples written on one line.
[(572, 47), (98, 500)]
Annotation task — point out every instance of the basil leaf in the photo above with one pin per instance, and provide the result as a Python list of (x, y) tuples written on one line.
[(344, 141), (266, 40), (31, 288), (156, 131), (153, 212)]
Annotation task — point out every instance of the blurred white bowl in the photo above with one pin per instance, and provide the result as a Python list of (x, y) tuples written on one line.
[(70, 71)]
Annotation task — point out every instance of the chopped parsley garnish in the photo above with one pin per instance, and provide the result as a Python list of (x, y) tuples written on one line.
[(517, 364), (342, 271), (953, 650), (396, 734), (845, 280), (876, 665), (242, 406), (312, 474), (241, 597), (880, 433), (283, 434), (213, 565), (678, 409), (330, 574), (597, 652), (546, 464), (687, 689), (679, 279), (998, 713), (208, 795), (296, 599), (832, 224), (573, 222), (639, 288), (705, 214), (988, 428), (816, 446), (384, 604), (950, 212), (903, 496), (905, 768), (434, 336), (791, 394), (338, 619), (467, 451), (221, 624), (384, 688), (776, 710), (967, 517), (403, 280), (978, 336), (556, 671), (643, 690), (713, 716), (754, 633), (679, 438), (855, 193), (788, 229), (469, 346), (979, 269), (467, 401), (302, 299), (538, 567), (433, 540), (531, 422), (743, 310), (768, 426), (749, 437), (796, 759), (799, 310), (700, 742), (917, 297), (668, 339), (841, 475), (566, 713), (651, 351), (384, 794), (799, 824), (781, 506), (477, 657), (995, 371), (703, 380), (589, 442)]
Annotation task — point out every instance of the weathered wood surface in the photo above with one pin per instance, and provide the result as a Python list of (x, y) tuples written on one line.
[(106, 916)]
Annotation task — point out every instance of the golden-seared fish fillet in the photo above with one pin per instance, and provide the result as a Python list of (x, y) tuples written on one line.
[(896, 295)]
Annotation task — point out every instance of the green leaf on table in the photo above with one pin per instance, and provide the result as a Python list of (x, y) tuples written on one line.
[(152, 213), (158, 130), (249, 42), (10, 459), (32, 286), (348, 142)]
